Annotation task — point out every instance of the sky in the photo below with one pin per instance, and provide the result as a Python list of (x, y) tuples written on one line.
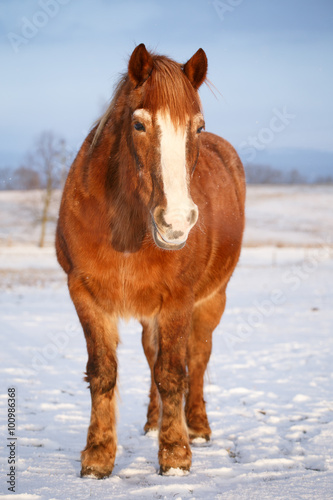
[(270, 63)]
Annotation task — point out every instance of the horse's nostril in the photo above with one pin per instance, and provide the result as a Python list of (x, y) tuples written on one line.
[(159, 214), (177, 234), (192, 217)]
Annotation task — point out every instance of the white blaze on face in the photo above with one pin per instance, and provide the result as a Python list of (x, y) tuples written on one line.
[(174, 174)]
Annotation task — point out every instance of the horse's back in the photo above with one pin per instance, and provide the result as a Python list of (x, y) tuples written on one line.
[(223, 163), (220, 188)]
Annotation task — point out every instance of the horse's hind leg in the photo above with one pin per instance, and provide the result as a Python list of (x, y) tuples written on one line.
[(206, 317), (149, 343), (97, 459)]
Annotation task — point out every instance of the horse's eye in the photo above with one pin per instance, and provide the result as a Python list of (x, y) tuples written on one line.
[(139, 126), (200, 129)]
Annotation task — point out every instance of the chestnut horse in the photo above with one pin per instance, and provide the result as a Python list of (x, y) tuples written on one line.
[(150, 227)]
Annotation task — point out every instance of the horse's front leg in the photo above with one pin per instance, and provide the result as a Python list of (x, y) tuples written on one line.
[(170, 379), (100, 329)]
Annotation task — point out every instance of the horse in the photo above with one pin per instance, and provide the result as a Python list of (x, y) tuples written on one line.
[(150, 226)]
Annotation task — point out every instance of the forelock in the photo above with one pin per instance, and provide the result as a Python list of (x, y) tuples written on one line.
[(169, 90)]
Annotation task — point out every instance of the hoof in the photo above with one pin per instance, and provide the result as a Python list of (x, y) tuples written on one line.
[(201, 442), (153, 433), (174, 457), (199, 434), (171, 471), (95, 473), (97, 462), (150, 427)]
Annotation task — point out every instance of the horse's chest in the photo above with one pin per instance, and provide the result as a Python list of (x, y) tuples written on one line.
[(132, 289), (141, 292)]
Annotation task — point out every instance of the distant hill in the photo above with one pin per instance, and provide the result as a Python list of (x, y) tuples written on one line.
[(310, 163)]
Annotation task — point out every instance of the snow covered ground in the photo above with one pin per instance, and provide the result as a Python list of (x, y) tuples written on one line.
[(289, 215), (268, 387)]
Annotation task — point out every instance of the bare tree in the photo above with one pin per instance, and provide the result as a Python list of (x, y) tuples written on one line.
[(324, 179), (25, 178), (264, 174), (294, 177), (50, 159)]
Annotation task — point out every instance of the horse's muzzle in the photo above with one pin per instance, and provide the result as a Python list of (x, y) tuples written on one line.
[(171, 229)]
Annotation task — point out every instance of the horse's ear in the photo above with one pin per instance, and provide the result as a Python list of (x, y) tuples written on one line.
[(140, 65), (196, 68)]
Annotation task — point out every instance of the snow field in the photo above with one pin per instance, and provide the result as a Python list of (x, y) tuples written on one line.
[(268, 387)]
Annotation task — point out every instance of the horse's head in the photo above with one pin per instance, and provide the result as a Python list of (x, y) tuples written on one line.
[(166, 122)]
